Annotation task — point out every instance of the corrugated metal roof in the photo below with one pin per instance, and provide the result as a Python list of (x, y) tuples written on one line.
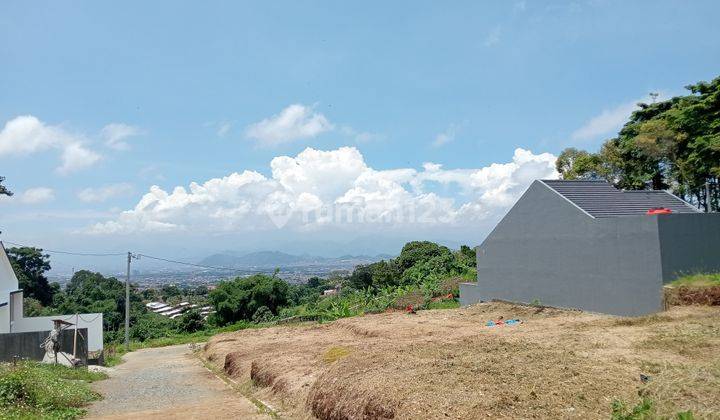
[(602, 199)]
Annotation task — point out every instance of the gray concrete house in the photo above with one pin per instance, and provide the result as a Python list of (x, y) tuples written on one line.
[(588, 245)]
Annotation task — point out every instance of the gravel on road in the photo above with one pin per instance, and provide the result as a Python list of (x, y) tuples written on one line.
[(168, 383)]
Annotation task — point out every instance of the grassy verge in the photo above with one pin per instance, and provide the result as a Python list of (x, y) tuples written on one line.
[(698, 280), (115, 351), (31, 390), (432, 295)]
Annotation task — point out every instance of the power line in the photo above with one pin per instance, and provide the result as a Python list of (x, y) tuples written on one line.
[(81, 254), (115, 254)]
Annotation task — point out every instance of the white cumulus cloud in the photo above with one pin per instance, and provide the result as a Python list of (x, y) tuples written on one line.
[(104, 193), (26, 135), (334, 189), (609, 121), (116, 134), (295, 122), (37, 195)]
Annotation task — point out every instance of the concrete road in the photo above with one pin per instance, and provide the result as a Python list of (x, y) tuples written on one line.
[(168, 383)]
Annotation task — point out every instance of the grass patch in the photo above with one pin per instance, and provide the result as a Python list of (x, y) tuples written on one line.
[(114, 352), (444, 304), (333, 354), (31, 390), (689, 340), (685, 388), (641, 320), (698, 280)]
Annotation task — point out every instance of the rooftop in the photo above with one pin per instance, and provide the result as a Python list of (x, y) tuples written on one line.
[(602, 199)]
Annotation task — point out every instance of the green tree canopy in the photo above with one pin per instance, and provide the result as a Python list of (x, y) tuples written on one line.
[(673, 144), (93, 292), (240, 298), (3, 189), (30, 266)]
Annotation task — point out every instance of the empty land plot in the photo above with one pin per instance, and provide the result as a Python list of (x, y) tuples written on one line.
[(448, 363)]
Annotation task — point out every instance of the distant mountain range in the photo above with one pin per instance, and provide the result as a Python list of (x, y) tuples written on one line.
[(272, 259)]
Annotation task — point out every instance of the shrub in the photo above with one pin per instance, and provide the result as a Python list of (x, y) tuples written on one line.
[(33, 390), (191, 321), (239, 299)]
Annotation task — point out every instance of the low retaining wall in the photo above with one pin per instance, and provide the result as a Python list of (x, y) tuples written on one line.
[(26, 345)]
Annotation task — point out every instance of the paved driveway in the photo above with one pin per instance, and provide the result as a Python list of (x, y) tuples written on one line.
[(168, 383)]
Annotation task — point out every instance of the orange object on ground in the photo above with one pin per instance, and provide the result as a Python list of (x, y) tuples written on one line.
[(659, 210)]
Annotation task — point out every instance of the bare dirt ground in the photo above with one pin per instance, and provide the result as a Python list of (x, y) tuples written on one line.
[(449, 364), (168, 383)]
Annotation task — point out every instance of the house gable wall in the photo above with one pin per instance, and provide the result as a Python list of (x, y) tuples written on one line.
[(547, 249)]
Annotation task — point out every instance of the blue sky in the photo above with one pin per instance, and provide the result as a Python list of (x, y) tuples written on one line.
[(118, 97)]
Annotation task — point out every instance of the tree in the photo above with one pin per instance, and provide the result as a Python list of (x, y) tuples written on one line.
[(3, 189), (578, 164), (30, 266), (240, 298), (93, 292), (673, 144), (416, 251), (191, 321), (169, 291)]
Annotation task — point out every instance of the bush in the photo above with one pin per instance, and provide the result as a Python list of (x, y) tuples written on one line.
[(191, 321), (263, 314), (34, 390), (150, 325), (239, 299)]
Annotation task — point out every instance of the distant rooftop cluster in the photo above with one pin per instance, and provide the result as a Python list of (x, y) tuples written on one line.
[(176, 311)]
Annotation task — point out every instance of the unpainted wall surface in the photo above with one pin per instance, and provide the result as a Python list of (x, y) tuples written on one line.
[(689, 243), (548, 250), (26, 345), (92, 322)]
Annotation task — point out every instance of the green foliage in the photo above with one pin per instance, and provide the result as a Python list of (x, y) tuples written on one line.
[(30, 266), (89, 292), (418, 251), (3, 189), (698, 280), (672, 144), (34, 390), (644, 410), (190, 322), (239, 299), (170, 291), (150, 325), (263, 314)]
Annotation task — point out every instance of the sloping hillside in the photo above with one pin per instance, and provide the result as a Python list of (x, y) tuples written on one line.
[(449, 364)]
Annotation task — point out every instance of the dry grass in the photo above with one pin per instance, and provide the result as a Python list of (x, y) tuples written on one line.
[(448, 364)]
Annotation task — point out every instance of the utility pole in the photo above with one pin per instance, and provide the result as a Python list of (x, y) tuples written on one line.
[(127, 301), (127, 304)]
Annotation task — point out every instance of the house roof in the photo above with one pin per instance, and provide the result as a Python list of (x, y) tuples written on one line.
[(602, 199)]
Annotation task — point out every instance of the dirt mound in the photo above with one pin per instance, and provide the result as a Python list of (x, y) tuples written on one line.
[(684, 295), (449, 363)]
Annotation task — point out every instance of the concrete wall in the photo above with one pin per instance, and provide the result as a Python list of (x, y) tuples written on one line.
[(689, 243), (5, 318), (549, 250), (92, 322), (26, 345), (8, 281)]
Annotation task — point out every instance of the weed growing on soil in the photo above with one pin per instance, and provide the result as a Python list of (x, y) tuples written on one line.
[(698, 280), (334, 354), (34, 390)]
